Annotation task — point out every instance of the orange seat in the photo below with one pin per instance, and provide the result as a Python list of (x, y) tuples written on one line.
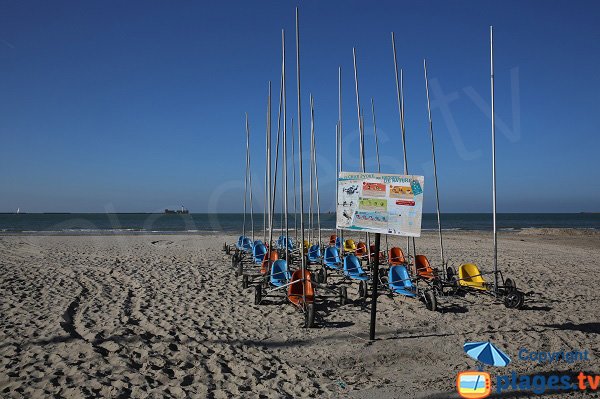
[(299, 289), (264, 267), (332, 239), (361, 249), (396, 257), (372, 248), (423, 267)]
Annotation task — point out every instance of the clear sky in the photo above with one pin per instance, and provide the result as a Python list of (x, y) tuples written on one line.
[(139, 105)]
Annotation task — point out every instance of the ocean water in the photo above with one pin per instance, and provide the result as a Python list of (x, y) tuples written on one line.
[(93, 223)]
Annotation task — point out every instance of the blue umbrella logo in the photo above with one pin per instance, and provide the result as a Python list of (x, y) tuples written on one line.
[(486, 353)]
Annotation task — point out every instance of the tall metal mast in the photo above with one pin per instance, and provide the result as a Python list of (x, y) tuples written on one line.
[(493, 160), (437, 194)]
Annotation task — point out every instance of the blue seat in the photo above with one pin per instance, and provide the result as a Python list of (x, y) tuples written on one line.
[(353, 270), (258, 253), (246, 245), (400, 282), (314, 254), (290, 243), (332, 258), (279, 273), (258, 242), (338, 243), (240, 242)]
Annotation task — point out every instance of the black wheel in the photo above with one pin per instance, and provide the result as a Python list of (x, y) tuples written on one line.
[(449, 273), (510, 284), (234, 262), (240, 268), (244, 281), (343, 296), (257, 295), (514, 299), (309, 316), (362, 290), (430, 300), (322, 275)]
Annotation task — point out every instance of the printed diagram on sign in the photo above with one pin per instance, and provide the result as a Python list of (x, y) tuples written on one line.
[(351, 189), (373, 189), (372, 204), (374, 220)]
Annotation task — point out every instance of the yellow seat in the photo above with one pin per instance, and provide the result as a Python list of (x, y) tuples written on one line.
[(470, 276), (349, 245)]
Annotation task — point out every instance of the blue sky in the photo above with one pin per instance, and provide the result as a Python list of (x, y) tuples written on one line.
[(139, 106)]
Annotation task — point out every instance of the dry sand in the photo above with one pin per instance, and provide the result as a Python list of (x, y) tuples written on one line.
[(164, 316)]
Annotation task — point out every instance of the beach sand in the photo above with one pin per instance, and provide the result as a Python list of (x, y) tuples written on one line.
[(165, 316)]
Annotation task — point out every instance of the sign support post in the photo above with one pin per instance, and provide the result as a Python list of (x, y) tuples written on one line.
[(375, 284)]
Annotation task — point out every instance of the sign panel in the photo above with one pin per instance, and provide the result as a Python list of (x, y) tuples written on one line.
[(380, 203)]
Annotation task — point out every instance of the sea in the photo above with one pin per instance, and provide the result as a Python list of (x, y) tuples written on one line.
[(201, 223)]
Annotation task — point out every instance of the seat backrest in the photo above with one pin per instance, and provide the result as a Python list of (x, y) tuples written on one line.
[(396, 257), (398, 276), (349, 245), (352, 265), (470, 272), (247, 244), (279, 272), (361, 248), (297, 290), (423, 267), (259, 251), (314, 252), (332, 255), (272, 256)]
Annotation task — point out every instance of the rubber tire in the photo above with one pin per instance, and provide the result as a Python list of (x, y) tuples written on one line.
[(234, 264), (244, 281), (514, 300), (257, 294), (322, 276), (343, 296), (510, 284), (430, 300), (240, 268), (362, 290), (309, 316), (449, 274)]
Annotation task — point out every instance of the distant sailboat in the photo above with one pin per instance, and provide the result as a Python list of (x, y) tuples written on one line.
[(18, 210)]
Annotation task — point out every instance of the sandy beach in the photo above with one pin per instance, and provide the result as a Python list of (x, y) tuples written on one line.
[(164, 316)]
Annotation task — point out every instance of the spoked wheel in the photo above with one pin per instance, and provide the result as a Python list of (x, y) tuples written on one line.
[(244, 281), (514, 299), (309, 316), (257, 295), (362, 290), (430, 300), (343, 296), (510, 284), (322, 276), (438, 287)]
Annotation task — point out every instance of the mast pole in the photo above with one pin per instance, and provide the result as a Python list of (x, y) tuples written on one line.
[(493, 161), (400, 97), (302, 257), (294, 185), (267, 216), (340, 144), (274, 197), (246, 177), (437, 194), (314, 149), (310, 185), (285, 163), (250, 183)]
